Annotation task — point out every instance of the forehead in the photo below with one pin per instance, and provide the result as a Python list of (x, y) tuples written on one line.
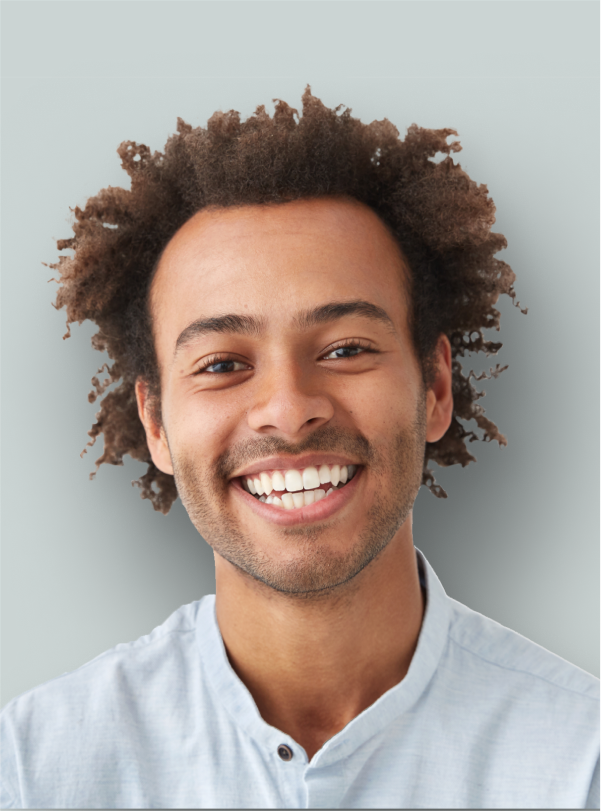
[(271, 260)]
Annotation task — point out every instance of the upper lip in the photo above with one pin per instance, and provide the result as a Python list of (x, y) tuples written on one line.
[(294, 463)]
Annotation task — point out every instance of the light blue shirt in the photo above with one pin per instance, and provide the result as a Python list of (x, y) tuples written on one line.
[(483, 719)]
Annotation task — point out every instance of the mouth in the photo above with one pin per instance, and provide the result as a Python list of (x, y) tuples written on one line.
[(292, 489)]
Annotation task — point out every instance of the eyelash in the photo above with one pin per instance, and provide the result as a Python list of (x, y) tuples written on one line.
[(213, 361), (351, 343)]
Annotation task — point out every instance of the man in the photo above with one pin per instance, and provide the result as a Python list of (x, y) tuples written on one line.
[(284, 301)]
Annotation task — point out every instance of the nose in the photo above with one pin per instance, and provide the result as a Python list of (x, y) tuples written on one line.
[(288, 402)]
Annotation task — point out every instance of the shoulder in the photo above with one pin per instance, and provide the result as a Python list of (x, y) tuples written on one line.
[(87, 725), (531, 712), (130, 672), (146, 658), (126, 658), (506, 656)]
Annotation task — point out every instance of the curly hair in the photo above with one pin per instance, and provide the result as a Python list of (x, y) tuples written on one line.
[(440, 217)]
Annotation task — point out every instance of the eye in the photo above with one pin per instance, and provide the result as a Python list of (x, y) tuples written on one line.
[(215, 366), (349, 350)]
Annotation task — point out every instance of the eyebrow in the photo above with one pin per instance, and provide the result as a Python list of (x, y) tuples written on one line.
[(339, 309), (234, 324)]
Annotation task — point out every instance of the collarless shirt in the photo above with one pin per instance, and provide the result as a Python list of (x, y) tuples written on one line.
[(484, 718)]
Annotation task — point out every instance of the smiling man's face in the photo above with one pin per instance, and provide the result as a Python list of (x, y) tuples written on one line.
[(287, 369)]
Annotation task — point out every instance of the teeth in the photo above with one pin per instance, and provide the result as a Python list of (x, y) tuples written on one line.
[(266, 483), (324, 474), (294, 481), (291, 501), (278, 481), (310, 478), (288, 501)]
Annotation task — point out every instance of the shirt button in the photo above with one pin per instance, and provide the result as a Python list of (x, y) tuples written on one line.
[(285, 752)]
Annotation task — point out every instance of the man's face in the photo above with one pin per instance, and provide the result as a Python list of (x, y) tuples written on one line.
[(282, 339)]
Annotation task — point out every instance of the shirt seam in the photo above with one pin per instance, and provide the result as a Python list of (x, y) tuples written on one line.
[(102, 655), (519, 670), (130, 646)]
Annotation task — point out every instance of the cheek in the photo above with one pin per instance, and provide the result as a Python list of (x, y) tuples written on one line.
[(376, 405), (202, 423)]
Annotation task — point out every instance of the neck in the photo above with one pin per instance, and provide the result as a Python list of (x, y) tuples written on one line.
[(309, 663)]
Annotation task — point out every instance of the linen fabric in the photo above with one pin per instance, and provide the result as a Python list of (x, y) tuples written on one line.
[(484, 718)]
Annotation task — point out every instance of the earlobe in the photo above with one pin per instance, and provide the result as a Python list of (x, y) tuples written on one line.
[(155, 433), (440, 394)]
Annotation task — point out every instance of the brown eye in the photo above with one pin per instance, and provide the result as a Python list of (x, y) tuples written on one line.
[(225, 366), (342, 352)]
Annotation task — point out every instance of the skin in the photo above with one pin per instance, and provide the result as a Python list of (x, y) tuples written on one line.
[(306, 603)]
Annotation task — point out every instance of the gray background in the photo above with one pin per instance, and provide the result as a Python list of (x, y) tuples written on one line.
[(89, 564)]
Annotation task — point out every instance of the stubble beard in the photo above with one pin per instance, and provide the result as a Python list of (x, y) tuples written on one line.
[(314, 570)]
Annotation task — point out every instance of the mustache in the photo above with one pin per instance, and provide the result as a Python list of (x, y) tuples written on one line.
[(323, 440)]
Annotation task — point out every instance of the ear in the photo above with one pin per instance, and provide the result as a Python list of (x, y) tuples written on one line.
[(439, 399), (156, 438)]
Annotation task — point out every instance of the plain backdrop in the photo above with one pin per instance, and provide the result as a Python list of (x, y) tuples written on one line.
[(87, 564)]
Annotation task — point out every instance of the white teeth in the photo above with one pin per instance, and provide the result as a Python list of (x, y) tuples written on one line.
[(299, 499), (277, 502), (310, 478), (288, 501), (294, 481), (278, 481), (324, 474), (266, 483)]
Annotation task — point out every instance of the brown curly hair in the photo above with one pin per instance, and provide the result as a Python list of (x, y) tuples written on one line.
[(440, 217)]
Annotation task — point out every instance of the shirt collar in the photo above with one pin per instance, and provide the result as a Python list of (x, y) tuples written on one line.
[(232, 694)]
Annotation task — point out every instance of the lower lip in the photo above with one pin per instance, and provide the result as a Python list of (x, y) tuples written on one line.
[(301, 515)]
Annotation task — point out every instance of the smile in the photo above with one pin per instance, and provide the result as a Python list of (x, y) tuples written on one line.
[(291, 489)]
